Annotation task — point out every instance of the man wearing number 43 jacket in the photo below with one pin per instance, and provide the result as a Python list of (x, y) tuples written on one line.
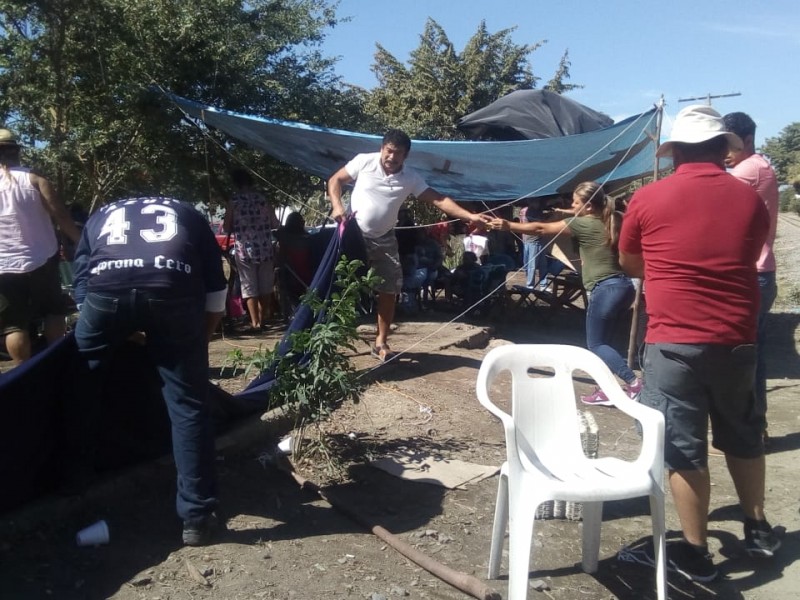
[(152, 265)]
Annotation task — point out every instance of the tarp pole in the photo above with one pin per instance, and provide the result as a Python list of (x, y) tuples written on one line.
[(464, 582), (633, 346)]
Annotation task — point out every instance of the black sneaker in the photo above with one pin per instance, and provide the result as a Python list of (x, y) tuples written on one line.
[(760, 538), (198, 532), (693, 562)]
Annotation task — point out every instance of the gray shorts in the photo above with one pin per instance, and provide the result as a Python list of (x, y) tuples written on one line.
[(384, 259), (692, 383)]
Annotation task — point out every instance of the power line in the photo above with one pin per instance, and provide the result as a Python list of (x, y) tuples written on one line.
[(708, 97)]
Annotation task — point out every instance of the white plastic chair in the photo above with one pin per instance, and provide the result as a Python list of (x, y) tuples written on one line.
[(545, 459)]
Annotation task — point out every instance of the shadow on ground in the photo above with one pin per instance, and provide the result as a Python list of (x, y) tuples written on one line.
[(269, 506)]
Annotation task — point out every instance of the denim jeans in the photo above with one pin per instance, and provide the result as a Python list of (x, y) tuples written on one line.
[(176, 344), (533, 259), (609, 302), (768, 290)]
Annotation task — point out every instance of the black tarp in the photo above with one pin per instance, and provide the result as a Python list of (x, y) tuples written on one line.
[(39, 398), (531, 114)]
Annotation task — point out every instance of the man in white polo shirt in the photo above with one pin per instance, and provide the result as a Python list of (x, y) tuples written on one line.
[(382, 184)]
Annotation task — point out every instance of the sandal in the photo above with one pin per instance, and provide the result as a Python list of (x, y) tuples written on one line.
[(382, 353)]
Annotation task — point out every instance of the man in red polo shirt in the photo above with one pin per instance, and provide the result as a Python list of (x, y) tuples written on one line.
[(695, 237)]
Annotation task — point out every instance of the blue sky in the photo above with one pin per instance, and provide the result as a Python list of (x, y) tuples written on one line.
[(626, 53)]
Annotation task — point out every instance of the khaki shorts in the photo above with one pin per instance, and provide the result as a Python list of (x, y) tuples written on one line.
[(384, 259), (25, 297), (257, 279)]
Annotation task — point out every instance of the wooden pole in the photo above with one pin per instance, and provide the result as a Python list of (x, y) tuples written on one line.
[(461, 581), (633, 345)]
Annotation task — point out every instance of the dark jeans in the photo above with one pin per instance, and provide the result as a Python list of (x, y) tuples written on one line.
[(609, 302), (175, 333), (768, 290)]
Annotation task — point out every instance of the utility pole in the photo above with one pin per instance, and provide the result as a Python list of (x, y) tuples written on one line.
[(708, 97)]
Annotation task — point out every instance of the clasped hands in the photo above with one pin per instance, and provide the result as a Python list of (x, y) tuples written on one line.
[(497, 224), (485, 222)]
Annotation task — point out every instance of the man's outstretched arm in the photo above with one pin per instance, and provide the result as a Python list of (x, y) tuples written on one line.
[(451, 208)]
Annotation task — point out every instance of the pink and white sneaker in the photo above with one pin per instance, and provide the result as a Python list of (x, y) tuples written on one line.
[(597, 398), (634, 389)]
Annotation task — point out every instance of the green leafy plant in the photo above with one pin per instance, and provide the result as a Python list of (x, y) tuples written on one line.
[(314, 376), (233, 361)]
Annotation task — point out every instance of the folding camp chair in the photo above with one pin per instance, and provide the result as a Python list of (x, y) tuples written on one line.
[(485, 287), (565, 288)]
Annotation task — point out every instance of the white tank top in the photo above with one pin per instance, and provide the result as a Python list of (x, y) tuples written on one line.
[(27, 236)]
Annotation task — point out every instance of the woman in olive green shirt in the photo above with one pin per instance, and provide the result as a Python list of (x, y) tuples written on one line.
[(595, 228)]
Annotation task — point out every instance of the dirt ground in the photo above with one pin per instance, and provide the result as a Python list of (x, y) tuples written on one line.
[(286, 543)]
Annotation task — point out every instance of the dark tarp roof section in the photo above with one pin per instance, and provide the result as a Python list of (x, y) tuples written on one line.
[(530, 115), (477, 171), (43, 398)]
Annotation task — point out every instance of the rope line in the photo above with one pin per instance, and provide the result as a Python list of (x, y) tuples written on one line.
[(295, 199), (549, 244), (207, 136), (532, 193)]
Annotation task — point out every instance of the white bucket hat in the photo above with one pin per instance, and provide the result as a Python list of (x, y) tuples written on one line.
[(7, 138), (695, 124)]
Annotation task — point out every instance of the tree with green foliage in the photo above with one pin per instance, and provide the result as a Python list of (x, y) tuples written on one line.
[(788, 199), (80, 81), (440, 85), (784, 152), (421, 98), (558, 82), (494, 66)]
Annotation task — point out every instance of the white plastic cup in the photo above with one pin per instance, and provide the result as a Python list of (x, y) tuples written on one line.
[(93, 535), (286, 445)]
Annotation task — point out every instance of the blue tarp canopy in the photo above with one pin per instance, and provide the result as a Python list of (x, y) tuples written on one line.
[(477, 171)]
